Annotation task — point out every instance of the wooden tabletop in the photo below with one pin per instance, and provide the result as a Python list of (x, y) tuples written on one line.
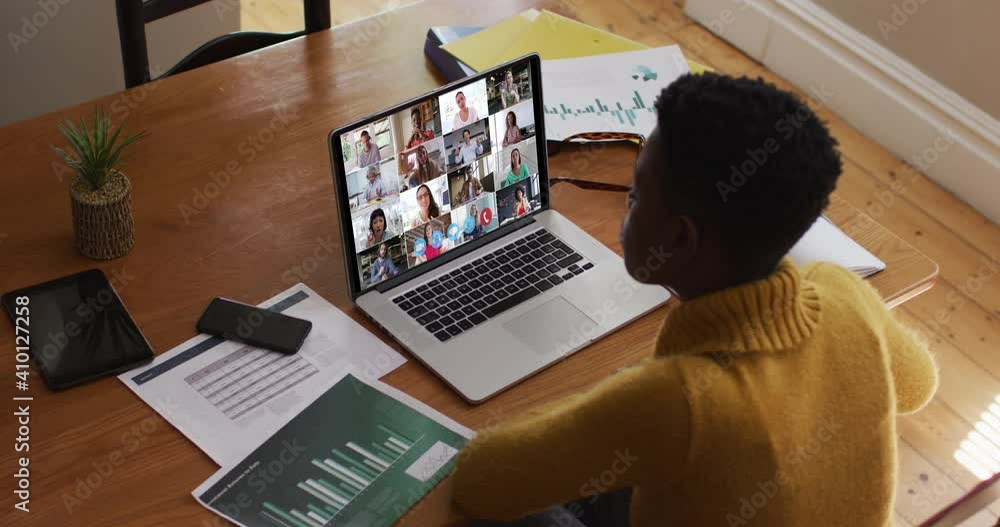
[(195, 241)]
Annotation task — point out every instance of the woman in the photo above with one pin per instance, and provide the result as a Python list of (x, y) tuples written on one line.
[(521, 204), (430, 252), (467, 151), (428, 207), (478, 229), (466, 114), (425, 170), (471, 187), (383, 268), (378, 228), (418, 135), (513, 133), (508, 92), (518, 170)]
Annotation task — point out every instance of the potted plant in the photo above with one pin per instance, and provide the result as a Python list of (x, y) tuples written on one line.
[(100, 194)]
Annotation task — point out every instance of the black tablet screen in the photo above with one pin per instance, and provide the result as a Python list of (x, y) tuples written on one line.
[(79, 329)]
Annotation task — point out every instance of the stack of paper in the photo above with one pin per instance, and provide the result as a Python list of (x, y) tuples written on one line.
[(824, 242)]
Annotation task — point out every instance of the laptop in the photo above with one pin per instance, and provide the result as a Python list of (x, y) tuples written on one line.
[(451, 245)]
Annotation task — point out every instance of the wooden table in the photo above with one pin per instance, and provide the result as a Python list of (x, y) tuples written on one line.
[(246, 240)]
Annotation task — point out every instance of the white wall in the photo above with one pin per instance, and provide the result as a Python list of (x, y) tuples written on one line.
[(57, 53), (884, 96), (954, 42)]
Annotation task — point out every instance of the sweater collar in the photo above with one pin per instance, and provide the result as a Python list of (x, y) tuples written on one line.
[(767, 315)]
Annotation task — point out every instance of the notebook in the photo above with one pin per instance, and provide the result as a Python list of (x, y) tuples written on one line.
[(824, 242), (551, 35)]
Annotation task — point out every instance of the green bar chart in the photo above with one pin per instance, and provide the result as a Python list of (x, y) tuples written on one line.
[(354, 457), (617, 111)]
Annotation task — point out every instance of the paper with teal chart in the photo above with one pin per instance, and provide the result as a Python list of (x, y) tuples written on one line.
[(614, 92), (360, 455)]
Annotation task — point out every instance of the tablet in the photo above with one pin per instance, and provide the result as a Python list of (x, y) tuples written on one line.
[(77, 329)]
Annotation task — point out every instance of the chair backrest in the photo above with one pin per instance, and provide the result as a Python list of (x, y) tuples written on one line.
[(133, 15)]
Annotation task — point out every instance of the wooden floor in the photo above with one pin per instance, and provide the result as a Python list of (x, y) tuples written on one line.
[(946, 448)]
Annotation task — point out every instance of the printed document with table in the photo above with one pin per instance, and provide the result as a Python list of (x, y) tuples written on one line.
[(227, 396)]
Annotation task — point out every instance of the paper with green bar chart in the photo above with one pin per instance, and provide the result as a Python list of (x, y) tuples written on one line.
[(360, 455), (614, 92)]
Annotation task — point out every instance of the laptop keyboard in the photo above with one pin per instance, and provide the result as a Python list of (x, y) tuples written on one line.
[(486, 287)]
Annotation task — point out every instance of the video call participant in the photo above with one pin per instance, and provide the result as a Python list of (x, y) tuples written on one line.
[(466, 114), (467, 151), (518, 170), (383, 268), (419, 134), (471, 187), (521, 204), (369, 153), (426, 169), (428, 207), (478, 228), (508, 91), (375, 190), (378, 228), (513, 133), (431, 252)]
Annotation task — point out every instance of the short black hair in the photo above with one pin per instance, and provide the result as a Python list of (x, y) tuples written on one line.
[(364, 133), (746, 159)]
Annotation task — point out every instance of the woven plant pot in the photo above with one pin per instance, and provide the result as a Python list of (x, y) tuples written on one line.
[(102, 219)]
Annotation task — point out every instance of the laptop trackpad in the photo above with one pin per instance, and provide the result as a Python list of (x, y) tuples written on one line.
[(555, 326)]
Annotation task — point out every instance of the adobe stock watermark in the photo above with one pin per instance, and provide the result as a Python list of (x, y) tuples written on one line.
[(326, 248), (785, 127), (956, 299), (132, 439), (371, 28), (795, 460), (121, 107), (888, 197), (901, 14), (406, 506), (250, 149), (32, 25), (259, 476), (590, 328), (606, 480), (717, 25)]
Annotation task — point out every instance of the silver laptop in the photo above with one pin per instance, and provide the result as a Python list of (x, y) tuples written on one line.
[(450, 242)]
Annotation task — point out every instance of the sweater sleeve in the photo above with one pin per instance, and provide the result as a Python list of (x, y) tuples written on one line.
[(631, 424), (914, 374)]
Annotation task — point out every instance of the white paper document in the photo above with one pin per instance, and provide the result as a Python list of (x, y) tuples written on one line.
[(227, 397), (824, 242), (614, 92)]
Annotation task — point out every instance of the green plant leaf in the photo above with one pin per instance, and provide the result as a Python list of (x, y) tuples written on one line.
[(96, 148)]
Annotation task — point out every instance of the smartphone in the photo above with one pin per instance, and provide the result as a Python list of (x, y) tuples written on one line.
[(253, 325)]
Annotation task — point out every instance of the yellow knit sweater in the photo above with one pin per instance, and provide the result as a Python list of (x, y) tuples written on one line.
[(772, 403)]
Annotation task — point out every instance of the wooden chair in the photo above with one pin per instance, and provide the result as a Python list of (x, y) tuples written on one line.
[(133, 15)]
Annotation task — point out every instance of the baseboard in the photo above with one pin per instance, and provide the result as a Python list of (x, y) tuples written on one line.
[(883, 96)]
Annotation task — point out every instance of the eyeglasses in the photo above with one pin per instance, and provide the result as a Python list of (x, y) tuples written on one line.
[(556, 147)]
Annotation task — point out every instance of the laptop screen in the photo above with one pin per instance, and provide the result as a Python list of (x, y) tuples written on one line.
[(432, 176)]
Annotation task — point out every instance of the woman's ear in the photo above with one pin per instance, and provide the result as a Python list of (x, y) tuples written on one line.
[(681, 238), (689, 238)]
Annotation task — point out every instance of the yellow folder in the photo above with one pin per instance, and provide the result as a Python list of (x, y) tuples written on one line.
[(551, 35)]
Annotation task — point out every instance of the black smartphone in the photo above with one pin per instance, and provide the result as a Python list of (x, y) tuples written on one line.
[(253, 325)]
